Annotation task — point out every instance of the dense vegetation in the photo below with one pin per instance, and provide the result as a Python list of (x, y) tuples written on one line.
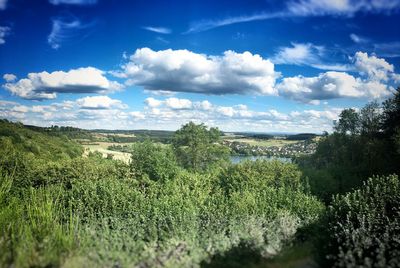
[(184, 204), (157, 211)]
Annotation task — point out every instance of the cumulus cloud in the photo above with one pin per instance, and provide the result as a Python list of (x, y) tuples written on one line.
[(376, 68), (93, 112), (4, 31), (72, 2), (306, 54), (100, 102), (330, 85), (175, 103), (373, 83), (327, 85), (161, 30), (45, 85), (152, 102), (65, 30), (186, 71), (9, 77)]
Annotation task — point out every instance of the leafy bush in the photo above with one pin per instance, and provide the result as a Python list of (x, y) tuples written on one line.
[(363, 227), (156, 161)]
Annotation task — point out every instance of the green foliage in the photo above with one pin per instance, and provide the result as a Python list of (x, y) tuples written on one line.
[(255, 175), (98, 212), (364, 144), (363, 227), (153, 160), (349, 122), (38, 144), (32, 233), (196, 146)]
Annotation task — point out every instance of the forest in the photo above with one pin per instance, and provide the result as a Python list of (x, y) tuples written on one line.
[(184, 204)]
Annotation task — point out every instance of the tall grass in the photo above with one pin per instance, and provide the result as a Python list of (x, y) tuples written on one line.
[(32, 233)]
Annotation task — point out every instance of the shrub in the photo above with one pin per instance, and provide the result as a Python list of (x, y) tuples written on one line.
[(156, 161), (363, 227)]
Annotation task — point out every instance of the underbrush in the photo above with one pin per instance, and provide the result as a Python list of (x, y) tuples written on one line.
[(99, 212)]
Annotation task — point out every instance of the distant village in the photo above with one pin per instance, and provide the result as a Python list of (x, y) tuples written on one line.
[(289, 150)]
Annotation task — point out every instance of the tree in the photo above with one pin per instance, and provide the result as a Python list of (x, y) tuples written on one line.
[(196, 146), (349, 122), (370, 119), (154, 160)]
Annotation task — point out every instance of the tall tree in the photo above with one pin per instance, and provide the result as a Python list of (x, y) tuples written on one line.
[(196, 146), (349, 122)]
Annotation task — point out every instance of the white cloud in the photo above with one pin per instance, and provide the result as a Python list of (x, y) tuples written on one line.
[(204, 25), (9, 77), (73, 2), (186, 71), (358, 39), (45, 85), (330, 85), (137, 115), (340, 7), (152, 102), (374, 71), (306, 54), (3, 4), (375, 68), (226, 111), (100, 102), (175, 103), (4, 31), (114, 116), (304, 8), (66, 30), (161, 30)]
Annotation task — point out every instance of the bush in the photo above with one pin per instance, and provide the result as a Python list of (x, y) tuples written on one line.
[(156, 161), (363, 227)]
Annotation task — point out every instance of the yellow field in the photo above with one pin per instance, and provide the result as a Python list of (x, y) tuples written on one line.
[(101, 147), (265, 143)]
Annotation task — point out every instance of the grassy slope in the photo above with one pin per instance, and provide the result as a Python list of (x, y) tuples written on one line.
[(38, 143)]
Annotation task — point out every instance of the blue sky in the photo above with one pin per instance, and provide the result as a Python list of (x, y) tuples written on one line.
[(267, 66)]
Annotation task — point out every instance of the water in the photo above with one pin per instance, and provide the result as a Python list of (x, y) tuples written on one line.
[(239, 158)]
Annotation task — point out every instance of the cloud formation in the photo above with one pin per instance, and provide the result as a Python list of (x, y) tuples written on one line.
[(86, 113), (375, 68), (330, 85), (304, 8), (4, 31), (373, 83), (3, 4), (100, 103), (66, 30), (9, 77), (358, 39), (340, 7), (46, 85), (73, 2), (161, 30), (307, 54), (186, 71)]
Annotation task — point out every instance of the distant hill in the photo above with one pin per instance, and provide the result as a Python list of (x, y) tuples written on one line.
[(38, 141), (301, 136)]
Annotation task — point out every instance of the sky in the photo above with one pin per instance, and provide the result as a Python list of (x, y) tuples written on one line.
[(256, 65)]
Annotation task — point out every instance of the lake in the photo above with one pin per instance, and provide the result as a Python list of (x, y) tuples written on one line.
[(239, 158)]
